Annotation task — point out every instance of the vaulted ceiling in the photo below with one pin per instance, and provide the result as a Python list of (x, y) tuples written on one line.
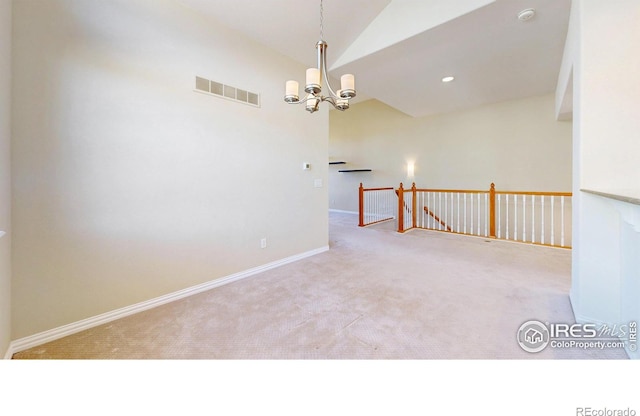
[(399, 50)]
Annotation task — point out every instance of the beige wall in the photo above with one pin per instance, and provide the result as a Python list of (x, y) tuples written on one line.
[(518, 145), (127, 184), (5, 180)]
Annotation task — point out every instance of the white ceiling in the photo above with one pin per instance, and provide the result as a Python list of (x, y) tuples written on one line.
[(399, 50)]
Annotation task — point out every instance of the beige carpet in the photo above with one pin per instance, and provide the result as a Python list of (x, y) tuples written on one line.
[(375, 295)]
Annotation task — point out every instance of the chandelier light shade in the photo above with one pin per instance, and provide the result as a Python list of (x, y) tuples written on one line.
[(314, 83)]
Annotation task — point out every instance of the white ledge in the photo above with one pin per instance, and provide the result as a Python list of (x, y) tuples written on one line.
[(630, 196), (2, 233), (627, 206)]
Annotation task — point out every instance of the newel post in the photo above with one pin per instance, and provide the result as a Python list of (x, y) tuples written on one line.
[(361, 206), (414, 205), (401, 209), (492, 211)]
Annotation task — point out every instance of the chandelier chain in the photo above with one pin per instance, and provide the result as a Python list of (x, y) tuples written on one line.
[(321, 21)]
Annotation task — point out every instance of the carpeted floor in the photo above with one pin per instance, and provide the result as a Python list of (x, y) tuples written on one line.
[(375, 295)]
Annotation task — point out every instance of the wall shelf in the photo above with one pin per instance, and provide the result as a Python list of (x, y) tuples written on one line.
[(348, 170)]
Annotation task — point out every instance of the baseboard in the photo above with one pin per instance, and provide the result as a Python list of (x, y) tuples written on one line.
[(63, 331)]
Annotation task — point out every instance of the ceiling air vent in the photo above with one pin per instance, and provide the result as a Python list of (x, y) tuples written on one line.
[(228, 92)]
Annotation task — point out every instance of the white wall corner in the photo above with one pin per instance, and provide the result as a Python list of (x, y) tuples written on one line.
[(564, 99), (564, 87)]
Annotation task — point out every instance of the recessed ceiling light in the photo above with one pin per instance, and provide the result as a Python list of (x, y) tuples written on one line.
[(526, 14), (448, 79)]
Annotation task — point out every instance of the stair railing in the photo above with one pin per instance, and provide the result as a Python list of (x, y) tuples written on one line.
[(375, 205), (542, 218)]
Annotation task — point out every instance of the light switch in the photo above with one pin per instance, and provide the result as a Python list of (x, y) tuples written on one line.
[(317, 183)]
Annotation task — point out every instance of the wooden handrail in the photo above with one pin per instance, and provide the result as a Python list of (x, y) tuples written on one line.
[(475, 191), (428, 211), (534, 193), (378, 189), (453, 191)]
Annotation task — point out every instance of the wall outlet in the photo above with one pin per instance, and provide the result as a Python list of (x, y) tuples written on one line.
[(317, 183), (263, 243)]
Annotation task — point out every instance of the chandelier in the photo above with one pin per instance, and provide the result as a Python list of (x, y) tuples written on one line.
[(313, 87)]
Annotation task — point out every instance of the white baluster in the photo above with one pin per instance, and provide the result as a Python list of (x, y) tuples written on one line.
[(429, 207), (432, 207), (367, 202), (507, 215), (366, 207), (422, 205), (410, 211), (478, 214), (446, 211), (465, 213), (372, 208), (471, 212), (542, 219), (383, 204), (499, 219), (553, 226), (425, 202), (533, 218), (458, 227), (375, 206), (562, 221), (419, 214), (450, 223), (486, 211), (410, 216), (524, 218), (515, 219)]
